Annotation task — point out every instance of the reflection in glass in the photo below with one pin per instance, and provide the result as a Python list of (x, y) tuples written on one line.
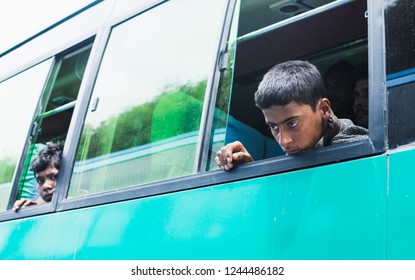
[(148, 98), (19, 97), (400, 36)]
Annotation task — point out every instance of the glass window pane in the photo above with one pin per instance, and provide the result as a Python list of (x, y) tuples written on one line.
[(143, 123), (70, 71), (400, 63), (219, 130), (19, 97), (60, 96), (400, 36)]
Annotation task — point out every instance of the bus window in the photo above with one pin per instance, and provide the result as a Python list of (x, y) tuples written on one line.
[(322, 32), (19, 96), (146, 106), (400, 39), (55, 113)]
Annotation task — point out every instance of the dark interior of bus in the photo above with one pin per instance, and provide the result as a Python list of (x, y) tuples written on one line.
[(270, 32)]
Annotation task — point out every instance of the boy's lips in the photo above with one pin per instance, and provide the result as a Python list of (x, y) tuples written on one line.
[(291, 152)]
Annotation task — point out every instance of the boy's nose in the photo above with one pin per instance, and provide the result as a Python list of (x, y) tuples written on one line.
[(284, 139)]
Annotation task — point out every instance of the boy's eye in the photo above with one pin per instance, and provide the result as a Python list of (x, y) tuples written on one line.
[(40, 181), (273, 127), (292, 124)]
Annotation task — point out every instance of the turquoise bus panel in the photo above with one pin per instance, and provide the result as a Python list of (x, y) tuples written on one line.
[(401, 206), (329, 212)]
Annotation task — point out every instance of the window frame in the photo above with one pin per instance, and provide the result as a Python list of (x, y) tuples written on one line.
[(328, 155), (49, 207), (377, 75), (149, 188), (59, 44), (22, 159)]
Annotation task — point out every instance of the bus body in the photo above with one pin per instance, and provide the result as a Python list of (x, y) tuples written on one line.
[(144, 95)]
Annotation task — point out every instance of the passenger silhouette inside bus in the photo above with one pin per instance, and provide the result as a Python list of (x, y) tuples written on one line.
[(361, 97), (339, 80), (292, 99), (45, 167)]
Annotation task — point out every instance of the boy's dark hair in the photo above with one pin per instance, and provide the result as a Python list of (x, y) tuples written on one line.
[(291, 81), (50, 154)]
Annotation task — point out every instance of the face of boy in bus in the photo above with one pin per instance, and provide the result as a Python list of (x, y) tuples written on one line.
[(46, 180), (296, 127), (360, 106)]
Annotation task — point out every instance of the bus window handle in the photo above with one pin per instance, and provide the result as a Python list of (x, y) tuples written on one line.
[(95, 104), (223, 61), (34, 131)]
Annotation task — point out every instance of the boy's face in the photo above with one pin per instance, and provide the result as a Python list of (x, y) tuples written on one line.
[(46, 180), (296, 127)]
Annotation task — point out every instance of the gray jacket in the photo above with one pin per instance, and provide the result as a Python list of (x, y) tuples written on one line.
[(342, 131)]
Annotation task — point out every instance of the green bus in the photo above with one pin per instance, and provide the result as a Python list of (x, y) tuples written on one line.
[(144, 94)]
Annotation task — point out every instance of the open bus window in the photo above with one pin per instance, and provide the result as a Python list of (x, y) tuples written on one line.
[(19, 96), (322, 32), (54, 116), (146, 106)]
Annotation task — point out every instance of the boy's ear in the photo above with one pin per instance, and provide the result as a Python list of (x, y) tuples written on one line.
[(325, 108)]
